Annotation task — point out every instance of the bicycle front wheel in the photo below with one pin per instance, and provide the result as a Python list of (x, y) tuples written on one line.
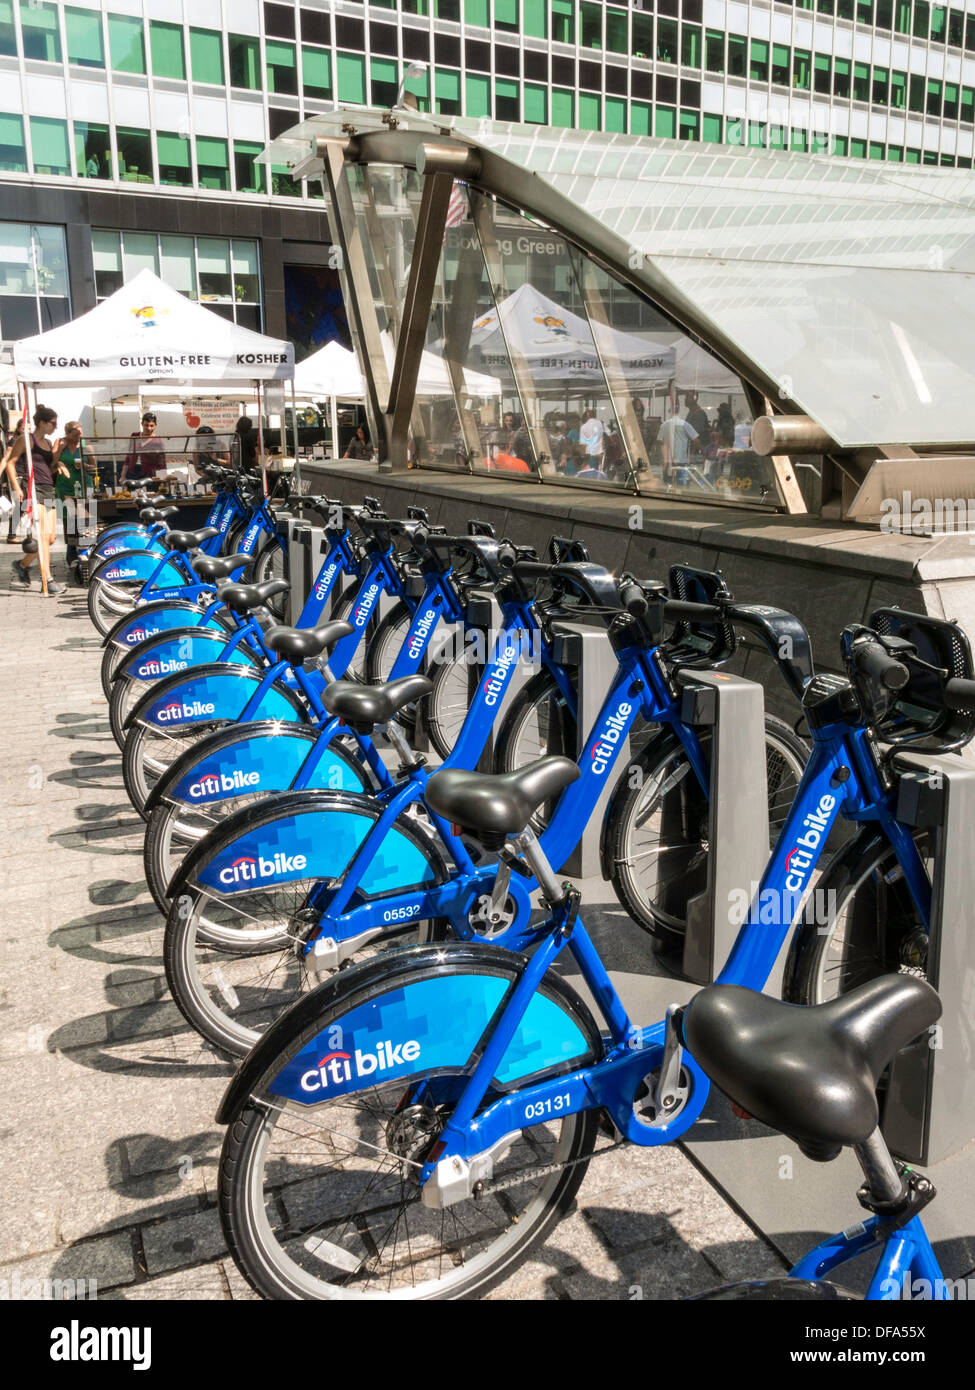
[(272, 563)]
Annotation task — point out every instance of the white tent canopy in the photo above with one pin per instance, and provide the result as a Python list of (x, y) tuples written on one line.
[(147, 331), (434, 378), (331, 371), (558, 345)]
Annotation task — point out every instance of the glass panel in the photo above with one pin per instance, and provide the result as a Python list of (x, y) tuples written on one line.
[(177, 263), (903, 16), (246, 270), (590, 25), (282, 184), (536, 18), (781, 64), (563, 107), (8, 33), (950, 109), (536, 104), (506, 15), (690, 122), (934, 99), (615, 114), (667, 40), (84, 34), (642, 35), (173, 153), (49, 145), (737, 55), (166, 47), (245, 62), (39, 28), (922, 11), (126, 43), (250, 176), (711, 128), (212, 162), (616, 35), (385, 82), (476, 12), (758, 69), (939, 24), (690, 46), (134, 155), (563, 21), (140, 251), (282, 67), (898, 90), (640, 115), (213, 266), (206, 55), (506, 104), (92, 151), (351, 77), (665, 122), (822, 76), (316, 72), (801, 69), (51, 260), (447, 88), (861, 82), (106, 248), (714, 50), (880, 86), (16, 260)]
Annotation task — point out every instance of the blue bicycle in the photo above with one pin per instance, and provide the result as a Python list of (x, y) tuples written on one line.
[(354, 871), (416, 1124)]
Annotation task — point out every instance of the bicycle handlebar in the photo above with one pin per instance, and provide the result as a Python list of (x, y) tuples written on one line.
[(960, 694), (872, 660)]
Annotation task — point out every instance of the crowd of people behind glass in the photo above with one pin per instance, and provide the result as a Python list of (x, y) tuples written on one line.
[(684, 440)]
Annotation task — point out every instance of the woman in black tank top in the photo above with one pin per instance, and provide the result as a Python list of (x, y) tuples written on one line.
[(40, 459)]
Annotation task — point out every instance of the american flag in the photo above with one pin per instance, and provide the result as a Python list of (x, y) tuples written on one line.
[(456, 208)]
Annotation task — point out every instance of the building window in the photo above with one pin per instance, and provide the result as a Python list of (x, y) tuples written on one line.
[(8, 34), (902, 17), (563, 107), (206, 56), (507, 106), (477, 95), (781, 64), (563, 21), (385, 83), (280, 21), (506, 16), (642, 35), (166, 48), (477, 12), (13, 151), (821, 73), (861, 82), (282, 68), (616, 34), (351, 77), (450, 10), (690, 125), (245, 62), (880, 87), (841, 77), (126, 44), (667, 40), (615, 117), (49, 145), (737, 55), (212, 163), (801, 69), (898, 90), (590, 26), (222, 273), (92, 151), (950, 110), (922, 15), (536, 105), (134, 155), (758, 68), (248, 175), (589, 112), (33, 279), (316, 73), (933, 106), (665, 122), (173, 153), (83, 29), (39, 27), (967, 105), (690, 46)]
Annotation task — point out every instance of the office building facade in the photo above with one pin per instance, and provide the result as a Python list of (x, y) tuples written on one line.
[(130, 130)]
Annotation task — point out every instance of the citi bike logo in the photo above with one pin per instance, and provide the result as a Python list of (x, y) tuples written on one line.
[(213, 783), (250, 870), (338, 1067), (161, 668), (179, 709), (225, 522), (497, 676), (800, 857), (422, 629), (251, 537), (365, 606), (118, 573), (321, 588), (138, 634), (604, 749)]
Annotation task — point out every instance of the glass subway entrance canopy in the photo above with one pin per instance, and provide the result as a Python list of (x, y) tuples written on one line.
[(629, 305)]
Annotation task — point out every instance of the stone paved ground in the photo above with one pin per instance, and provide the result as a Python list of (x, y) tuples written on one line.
[(108, 1139)]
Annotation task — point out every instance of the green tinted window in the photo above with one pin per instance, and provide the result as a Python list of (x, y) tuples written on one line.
[(690, 46), (737, 55), (385, 82), (477, 95), (922, 16), (316, 72), (781, 64), (245, 62), (536, 104), (898, 90), (173, 153), (49, 145), (861, 82), (282, 67), (350, 76), (166, 47), (665, 122), (589, 111), (535, 18), (614, 117), (92, 151), (134, 155), (8, 33), (711, 128), (564, 21), (84, 33), (563, 107), (758, 68), (690, 125), (477, 12), (821, 73), (616, 36), (801, 69), (39, 27), (212, 163), (590, 25), (126, 43), (13, 151), (206, 56), (880, 89), (714, 50), (639, 118), (249, 175), (507, 100), (667, 40)]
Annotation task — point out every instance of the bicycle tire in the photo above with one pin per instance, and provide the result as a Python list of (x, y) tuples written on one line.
[(483, 1241), (658, 905), (860, 901), (272, 563), (382, 651)]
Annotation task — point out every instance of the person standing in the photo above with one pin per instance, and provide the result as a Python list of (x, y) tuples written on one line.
[(359, 446), (69, 488), (43, 466), (697, 418), (21, 475), (591, 439), (247, 443), (147, 454)]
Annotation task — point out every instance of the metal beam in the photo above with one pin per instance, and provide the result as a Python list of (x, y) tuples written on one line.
[(427, 249)]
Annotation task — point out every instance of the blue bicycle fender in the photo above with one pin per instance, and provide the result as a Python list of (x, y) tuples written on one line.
[(138, 564), (150, 620), (317, 842), (217, 691), (185, 648), (412, 1026), (134, 539), (261, 763)]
